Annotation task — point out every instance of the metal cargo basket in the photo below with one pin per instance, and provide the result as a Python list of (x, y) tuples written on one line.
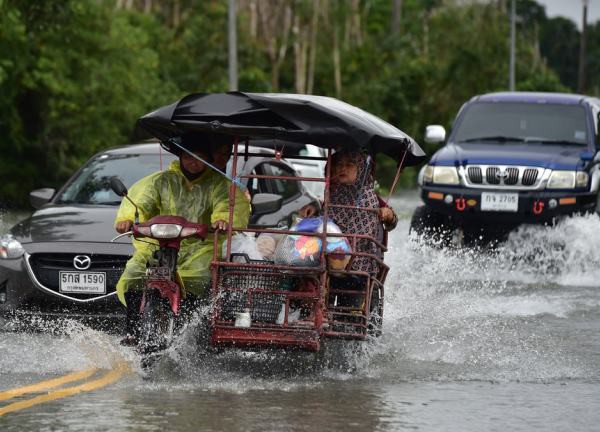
[(253, 288)]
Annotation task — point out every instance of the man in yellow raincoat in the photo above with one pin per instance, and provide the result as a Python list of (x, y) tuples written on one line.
[(188, 188)]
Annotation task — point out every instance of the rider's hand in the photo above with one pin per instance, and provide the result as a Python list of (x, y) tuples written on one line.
[(386, 214), (124, 226), (219, 225), (309, 210)]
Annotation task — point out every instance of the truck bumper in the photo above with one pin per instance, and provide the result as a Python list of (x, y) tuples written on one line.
[(463, 205)]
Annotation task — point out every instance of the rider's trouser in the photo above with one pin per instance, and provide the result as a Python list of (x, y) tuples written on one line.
[(193, 268), (132, 319), (134, 301)]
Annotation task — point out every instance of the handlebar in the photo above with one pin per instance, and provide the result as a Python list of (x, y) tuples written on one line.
[(202, 233), (121, 235)]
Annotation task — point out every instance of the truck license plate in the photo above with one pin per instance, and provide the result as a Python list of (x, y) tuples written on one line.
[(82, 282), (508, 202)]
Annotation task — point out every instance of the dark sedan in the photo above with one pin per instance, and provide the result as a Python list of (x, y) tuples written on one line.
[(68, 237)]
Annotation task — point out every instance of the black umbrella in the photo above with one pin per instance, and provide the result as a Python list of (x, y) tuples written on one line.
[(319, 120)]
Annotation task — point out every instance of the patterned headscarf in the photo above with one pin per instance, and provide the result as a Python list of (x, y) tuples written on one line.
[(361, 193)]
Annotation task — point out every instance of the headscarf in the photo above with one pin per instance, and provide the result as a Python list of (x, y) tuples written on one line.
[(361, 193)]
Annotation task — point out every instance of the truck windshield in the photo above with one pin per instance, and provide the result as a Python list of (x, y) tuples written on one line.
[(522, 122)]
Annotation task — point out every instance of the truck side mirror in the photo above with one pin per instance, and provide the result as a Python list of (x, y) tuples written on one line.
[(435, 134)]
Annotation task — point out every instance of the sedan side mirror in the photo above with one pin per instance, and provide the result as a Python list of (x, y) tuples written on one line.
[(263, 203), (435, 134), (39, 197)]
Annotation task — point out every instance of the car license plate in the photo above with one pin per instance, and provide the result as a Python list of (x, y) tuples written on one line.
[(508, 202), (82, 282)]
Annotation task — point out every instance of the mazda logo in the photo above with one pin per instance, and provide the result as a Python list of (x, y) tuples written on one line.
[(501, 174), (82, 262)]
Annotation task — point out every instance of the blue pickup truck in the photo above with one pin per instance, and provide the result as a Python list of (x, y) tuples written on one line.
[(511, 158)]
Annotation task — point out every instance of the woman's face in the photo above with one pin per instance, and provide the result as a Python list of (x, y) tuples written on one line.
[(344, 171), (191, 164)]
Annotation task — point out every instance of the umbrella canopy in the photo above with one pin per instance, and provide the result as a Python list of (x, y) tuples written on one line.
[(318, 120)]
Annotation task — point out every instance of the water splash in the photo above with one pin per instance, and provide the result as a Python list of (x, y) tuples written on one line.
[(491, 314), (450, 315)]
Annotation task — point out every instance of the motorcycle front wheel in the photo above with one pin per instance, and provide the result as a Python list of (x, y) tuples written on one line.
[(157, 324)]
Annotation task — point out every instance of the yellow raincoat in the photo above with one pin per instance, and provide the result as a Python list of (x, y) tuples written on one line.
[(203, 200)]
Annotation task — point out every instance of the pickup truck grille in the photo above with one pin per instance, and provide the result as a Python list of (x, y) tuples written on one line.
[(529, 177), (505, 177)]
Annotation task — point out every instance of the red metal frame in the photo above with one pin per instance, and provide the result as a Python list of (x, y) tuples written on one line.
[(324, 320)]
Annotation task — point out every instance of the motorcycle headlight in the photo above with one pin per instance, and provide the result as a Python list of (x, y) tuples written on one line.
[(165, 230), (444, 175), (562, 180), (10, 248)]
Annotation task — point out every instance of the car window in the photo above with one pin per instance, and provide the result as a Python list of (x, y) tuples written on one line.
[(595, 112), (523, 121), (286, 188), (92, 184), (258, 185)]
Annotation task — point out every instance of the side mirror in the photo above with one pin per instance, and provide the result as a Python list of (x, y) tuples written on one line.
[(118, 187), (435, 134), (263, 203), (39, 197)]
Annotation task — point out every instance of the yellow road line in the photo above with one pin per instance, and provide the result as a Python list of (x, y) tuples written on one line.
[(105, 380), (45, 385)]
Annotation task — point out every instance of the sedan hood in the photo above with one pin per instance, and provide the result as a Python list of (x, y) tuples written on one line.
[(526, 154), (59, 223)]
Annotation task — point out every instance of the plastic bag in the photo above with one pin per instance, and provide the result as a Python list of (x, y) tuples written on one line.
[(299, 250), (302, 250), (242, 243), (267, 244)]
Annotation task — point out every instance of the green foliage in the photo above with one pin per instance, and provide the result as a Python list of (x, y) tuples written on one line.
[(75, 75)]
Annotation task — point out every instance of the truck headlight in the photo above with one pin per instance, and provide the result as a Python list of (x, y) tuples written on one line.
[(567, 180), (10, 248), (441, 175)]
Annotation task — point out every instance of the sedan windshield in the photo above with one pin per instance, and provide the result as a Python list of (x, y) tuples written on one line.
[(522, 122), (92, 184)]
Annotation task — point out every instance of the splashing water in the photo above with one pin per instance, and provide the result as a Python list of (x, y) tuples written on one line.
[(493, 314), (450, 315)]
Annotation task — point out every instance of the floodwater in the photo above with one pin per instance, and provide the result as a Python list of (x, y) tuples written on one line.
[(473, 341)]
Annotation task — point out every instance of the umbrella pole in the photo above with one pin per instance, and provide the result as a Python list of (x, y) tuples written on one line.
[(397, 177), (232, 187)]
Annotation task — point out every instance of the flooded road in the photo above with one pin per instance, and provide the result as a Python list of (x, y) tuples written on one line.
[(494, 341)]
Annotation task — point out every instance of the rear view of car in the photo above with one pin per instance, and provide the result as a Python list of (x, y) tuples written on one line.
[(511, 158)]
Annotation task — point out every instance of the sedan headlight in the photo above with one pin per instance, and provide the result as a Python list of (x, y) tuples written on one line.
[(567, 180), (10, 248), (441, 175)]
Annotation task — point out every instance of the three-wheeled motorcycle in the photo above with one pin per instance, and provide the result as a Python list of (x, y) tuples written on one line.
[(259, 303)]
